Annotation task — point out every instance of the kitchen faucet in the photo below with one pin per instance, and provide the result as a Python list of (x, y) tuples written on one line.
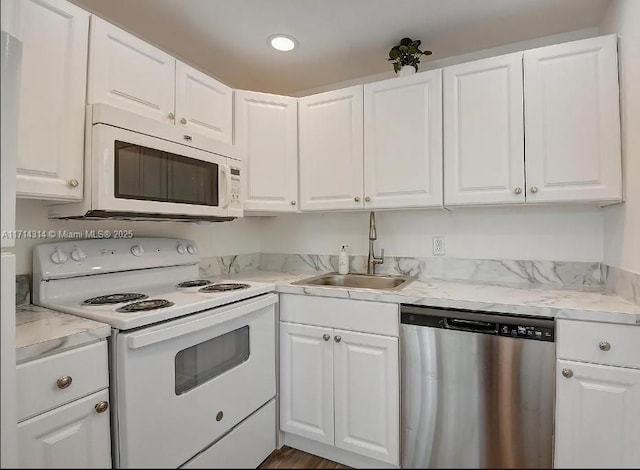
[(372, 260)]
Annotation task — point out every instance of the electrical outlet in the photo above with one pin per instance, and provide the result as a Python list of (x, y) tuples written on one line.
[(438, 246)]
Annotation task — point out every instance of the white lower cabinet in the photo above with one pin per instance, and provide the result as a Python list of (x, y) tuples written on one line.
[(340, 387), (597, 399), (306, 381), (366, 387), (71, 436), (63, 409)]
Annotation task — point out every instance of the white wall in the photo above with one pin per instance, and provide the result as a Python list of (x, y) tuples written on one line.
[(240, 236), (568, 233), (622, 222), (459, 59)]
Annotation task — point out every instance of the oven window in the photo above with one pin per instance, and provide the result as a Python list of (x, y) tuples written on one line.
[(153, 175), (206, 361)]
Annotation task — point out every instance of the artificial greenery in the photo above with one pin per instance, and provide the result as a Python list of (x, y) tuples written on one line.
[(406, 53)]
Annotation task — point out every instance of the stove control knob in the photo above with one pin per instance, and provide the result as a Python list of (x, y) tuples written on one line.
[(59, 257), (136, 250), (191, 249), (181, 248), (78, 255)]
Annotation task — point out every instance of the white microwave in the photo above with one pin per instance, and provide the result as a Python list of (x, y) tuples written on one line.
[(137, 168)]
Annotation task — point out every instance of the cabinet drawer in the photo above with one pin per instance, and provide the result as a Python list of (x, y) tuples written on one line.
[(41, 384), (355, 315), (603, 343)]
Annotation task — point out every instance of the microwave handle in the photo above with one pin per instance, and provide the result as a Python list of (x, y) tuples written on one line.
[(227, 186)]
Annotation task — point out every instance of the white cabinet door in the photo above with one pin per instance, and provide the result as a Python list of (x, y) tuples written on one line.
[(203, 104), (573, 122), (55, 36), (331, 150), (72, 436), (597, 416), (127, 72), (367, 404), (266, 130), (306, 381), (403, 141), (483, 138)]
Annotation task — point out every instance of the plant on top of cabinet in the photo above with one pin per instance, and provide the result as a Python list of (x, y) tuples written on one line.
[(406, 53)]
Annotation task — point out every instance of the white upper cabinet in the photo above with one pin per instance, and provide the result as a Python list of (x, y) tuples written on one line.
[(483, 132), (403, 142), (572, 122), (203, 104), (266, 130), (54, 35), (127, 72), (331, 150)]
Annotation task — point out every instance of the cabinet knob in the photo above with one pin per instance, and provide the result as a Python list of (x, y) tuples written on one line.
[(357, 199), (172, 116), (568, 373), (183, 121), (74, 183), (219, 416), (64, 382), (367, 199), (102, 406), (518, 190), (337, 339), (533, 190), (293, 203), (604, 346), (326, 337)]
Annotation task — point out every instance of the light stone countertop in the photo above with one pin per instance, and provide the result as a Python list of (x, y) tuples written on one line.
[(588, 305), (41, 332)]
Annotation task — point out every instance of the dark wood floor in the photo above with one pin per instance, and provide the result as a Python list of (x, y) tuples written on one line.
[(286, 457)]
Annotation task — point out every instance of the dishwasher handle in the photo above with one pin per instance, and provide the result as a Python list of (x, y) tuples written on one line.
[(470, 325)]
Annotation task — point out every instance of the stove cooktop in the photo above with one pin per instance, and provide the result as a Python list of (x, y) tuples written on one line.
[(149, 304)]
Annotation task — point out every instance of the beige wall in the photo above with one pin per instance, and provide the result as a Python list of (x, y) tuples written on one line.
[(622, 221)]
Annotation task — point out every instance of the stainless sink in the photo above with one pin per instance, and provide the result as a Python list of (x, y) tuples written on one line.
[(366, 281)]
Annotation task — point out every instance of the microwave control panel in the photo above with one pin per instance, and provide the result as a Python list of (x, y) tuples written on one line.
[(236, 201)]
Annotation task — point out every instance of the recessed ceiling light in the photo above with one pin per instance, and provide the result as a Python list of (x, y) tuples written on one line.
[(282, 42)]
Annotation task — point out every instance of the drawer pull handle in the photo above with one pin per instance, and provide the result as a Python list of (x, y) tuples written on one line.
[(102, 406), (568, 373), (64, 382), (604, 346)]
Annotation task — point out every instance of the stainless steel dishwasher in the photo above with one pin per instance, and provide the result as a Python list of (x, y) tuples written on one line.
[(477, 389)]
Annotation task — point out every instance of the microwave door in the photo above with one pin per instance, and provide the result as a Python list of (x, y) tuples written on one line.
[(132, 172)]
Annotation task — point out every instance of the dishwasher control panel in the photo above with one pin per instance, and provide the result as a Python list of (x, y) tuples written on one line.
[(530, 332)]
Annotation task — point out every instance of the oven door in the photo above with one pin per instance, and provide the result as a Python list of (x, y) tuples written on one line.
[(183, 384), (133, 172)]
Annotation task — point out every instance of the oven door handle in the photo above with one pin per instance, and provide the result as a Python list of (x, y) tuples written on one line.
[(142, 339)]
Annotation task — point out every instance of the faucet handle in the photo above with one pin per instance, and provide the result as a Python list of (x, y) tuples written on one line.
[(382, 254)]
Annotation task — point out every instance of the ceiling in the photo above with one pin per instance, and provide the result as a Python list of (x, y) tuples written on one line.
[(339, 40)]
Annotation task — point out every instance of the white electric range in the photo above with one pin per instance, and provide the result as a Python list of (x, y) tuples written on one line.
[(192, 362)]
